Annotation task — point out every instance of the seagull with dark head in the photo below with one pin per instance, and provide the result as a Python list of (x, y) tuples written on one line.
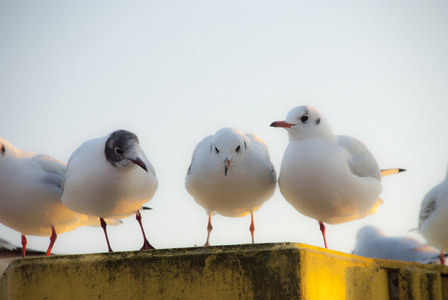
[(110, 177)]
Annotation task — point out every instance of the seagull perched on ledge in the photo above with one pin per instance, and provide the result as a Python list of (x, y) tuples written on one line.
[(434, 217), (110, 177), (30, 196), (372, 242), (231, 174), (333, 179)]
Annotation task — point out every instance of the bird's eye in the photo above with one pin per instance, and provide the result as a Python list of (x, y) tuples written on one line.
[(305, 118), (216, 149), (118, 151), (238, 149)]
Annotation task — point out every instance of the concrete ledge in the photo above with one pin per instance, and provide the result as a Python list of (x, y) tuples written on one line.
[(261, 271)]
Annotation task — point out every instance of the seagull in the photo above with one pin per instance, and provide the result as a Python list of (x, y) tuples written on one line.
[(110, 177), (30, 195), (231, 174), (372, 242), (434, 218), (333, 179)]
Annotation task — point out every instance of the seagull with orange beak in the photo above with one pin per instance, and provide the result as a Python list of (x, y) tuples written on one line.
[(331, 178)]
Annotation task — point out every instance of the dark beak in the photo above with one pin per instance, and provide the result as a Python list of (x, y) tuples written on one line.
[(227, 165), (282, 124), (139, 163)]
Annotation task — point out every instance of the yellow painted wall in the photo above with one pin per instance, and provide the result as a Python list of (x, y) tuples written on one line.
[(261, 271)]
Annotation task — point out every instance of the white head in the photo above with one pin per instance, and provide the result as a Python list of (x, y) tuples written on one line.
[(368, 233), (226, 145), (304, 122)]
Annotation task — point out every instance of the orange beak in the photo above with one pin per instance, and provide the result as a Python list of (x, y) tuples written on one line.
[(282, 124)]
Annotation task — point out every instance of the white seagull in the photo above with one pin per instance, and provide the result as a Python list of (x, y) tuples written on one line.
[(231, 174), (372, 242), (434, 217), (30, 195), (110, 177), (333, 179)]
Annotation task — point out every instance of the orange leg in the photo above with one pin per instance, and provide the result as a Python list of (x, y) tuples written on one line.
[(252, 226), (146, 244), (209, 228), (322, 228), (53, 238), (103, 225), (24, 242)]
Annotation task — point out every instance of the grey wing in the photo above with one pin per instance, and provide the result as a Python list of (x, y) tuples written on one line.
[(263, 147), (361, 161), (429, 204), (5, 245), (53, 169), (205, 143)]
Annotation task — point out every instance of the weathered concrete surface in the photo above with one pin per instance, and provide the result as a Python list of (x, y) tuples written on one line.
[(262, 271)]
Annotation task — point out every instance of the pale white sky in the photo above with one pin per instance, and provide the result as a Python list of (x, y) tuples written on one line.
[(175, 71)]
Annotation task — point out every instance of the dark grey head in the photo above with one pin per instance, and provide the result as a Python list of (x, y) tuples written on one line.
[(122, 150)]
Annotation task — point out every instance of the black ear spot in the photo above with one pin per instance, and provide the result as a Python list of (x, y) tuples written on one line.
[(2, 149), (318, 121)]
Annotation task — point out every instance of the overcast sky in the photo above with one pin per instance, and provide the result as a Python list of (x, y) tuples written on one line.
[(173, 72)]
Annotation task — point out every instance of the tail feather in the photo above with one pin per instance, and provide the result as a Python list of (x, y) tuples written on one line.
[(95, 221)]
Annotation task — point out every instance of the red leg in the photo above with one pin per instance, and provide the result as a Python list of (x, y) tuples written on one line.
[(53, 238), (322, 229), (24, 242), (209, 229), (146, 244), (103, 225), (442, 257), (252, 225)]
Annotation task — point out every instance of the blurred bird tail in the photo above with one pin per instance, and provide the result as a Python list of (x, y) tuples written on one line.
[(375, 206), (387, 172), (95, 221)]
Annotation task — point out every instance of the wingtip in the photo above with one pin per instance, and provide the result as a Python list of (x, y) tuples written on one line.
[(386, 172)]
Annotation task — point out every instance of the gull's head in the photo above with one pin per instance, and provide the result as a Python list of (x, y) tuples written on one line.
[(227, 145), (123, 150), (304, 122), (368, 233)]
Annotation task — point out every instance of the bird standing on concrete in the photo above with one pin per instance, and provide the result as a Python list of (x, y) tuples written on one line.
[(333, 179), (110, 177), (231, 174), (372, 242), (30, 195), (434, 217)]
